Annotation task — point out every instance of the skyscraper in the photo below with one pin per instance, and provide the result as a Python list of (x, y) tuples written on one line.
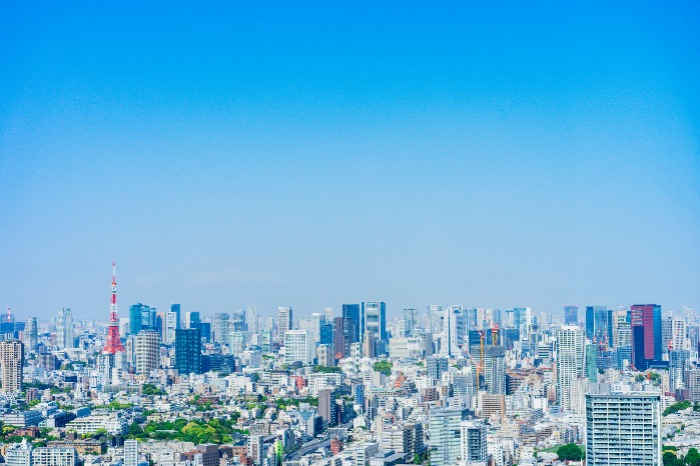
[(645, 320), (64, 329), (297, 347), (375, 318), (343, 336), (570, 315), (31, 335), (352, 312), (622, 429), (222, 328), (141, 317), (188, 351), (597, 323), (327, 406), (285, 321), (495, 369), (147, 351), (11, 365), (570, 362), (445, 435)]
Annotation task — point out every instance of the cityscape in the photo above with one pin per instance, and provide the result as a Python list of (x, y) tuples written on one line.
[(445, 385), (366, 233)]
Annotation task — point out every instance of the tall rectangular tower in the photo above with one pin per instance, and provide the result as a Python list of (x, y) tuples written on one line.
[(622, 429)]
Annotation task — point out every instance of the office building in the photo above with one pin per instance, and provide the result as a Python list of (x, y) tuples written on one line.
[(65, 337), (31, 335), (343, 336), (222, 328), (494, 369), (327, 407), (436, 366), (352, 312), (473, 442), (645, 320), (204, 330), (192, 317), (297, 347), (599, 324), (147, 351), (188, 351), (570, 315), (131, 452), (11, 362), (172, 323), (570, 363), (374, 313), (445, 427), (622, 429), (285, 321)]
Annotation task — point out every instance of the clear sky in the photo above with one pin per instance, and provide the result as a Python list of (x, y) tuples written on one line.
[(316, 153)]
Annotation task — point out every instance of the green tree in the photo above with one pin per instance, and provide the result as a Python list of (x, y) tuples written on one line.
[(327, 369), (570, 452), (382, 366), (135, 430), (693, 457)]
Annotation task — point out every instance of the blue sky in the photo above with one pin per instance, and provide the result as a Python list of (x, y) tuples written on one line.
[(311, 154)]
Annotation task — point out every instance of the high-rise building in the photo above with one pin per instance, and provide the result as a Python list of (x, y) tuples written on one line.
[(352, 312), (55, 456), (599, 324), (192, 317), (222, 328), (11, 362), (188, 351), (147, 351), (570, 362), (436, 366), (172, 323), (64, 329), (141, 317), (204, 330), (313, 324), (327, 407), (285, 321), (31, 335), (645, 320), (570, 315), (374, 313), (494, 369), (297, 347), (131, 452), (412, 318), (473, 442), (405, 439), (343, 336), (445, 435), (622, 429)]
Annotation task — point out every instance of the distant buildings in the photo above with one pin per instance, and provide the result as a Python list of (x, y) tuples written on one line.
[(647, 338), (147, 351), (31, 337), (297, 347), (65, 337), (570, 362)]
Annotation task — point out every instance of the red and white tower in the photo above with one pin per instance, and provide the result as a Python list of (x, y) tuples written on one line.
[(114, 342)]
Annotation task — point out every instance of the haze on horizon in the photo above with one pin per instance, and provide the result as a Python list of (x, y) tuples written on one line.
[(315, 154)]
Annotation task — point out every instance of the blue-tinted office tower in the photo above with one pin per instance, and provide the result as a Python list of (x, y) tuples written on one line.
[(570, 315), (141, 317), (597, 323), (204, 330), (188, 351), (352, 312), (374, 313), (326, 334), (176, 309)]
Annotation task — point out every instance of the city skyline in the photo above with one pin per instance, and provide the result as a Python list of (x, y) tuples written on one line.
[(311, 155)]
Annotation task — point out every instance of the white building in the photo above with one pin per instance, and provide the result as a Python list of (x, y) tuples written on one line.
[(622, 429), (112, 423), (19, 454), (297, 347), (570, 362), (131, 453)]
